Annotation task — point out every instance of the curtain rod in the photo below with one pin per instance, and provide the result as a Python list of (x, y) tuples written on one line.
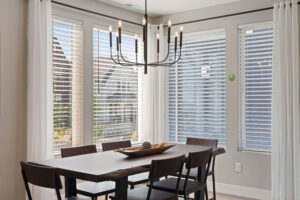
[(93, 12), (176, 24), (224, 16)]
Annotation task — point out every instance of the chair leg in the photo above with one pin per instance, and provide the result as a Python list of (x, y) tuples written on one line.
[(206, 193), (214, 185), (131, 186), (94, 198), (106, 197)]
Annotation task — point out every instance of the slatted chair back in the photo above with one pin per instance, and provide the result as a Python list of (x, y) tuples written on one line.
[(202, 141), (198, 160), (163, 168), (40, 176), (116, 145), (76, 151)]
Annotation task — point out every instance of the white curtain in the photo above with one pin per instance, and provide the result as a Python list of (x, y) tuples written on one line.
[(39, 88), (286, 140), (153, 91)]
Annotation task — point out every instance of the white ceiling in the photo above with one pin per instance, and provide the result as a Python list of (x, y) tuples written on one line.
[(163, 7)]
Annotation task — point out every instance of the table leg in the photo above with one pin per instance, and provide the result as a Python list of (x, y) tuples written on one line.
[(201, 173), (70, 187), (121, 189)]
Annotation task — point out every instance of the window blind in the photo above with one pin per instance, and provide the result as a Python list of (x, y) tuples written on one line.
[(67, 83), (255, 64), (197, 87), (115, 108)]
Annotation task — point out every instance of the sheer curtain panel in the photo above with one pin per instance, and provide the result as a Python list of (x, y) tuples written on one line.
[(153, 90), (39, 91), (285, 130)]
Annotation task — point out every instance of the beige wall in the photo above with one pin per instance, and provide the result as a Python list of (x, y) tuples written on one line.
[(256, 167), (12, 97)]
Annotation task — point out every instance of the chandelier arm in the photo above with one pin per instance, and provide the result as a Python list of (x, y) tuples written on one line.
[(115, 61), (167, 56), (167, 64), (123, 64), (128, 61)]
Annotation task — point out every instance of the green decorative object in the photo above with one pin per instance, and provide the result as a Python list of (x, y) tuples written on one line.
[(231, 77)]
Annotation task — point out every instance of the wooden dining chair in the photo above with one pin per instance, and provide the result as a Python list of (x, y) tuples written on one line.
[(204, 142), (134, 179), (42, 176), (196, 160), (87, 188), (159, 169)]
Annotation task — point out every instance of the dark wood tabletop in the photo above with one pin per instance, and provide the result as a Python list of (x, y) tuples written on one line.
[(110, 166)]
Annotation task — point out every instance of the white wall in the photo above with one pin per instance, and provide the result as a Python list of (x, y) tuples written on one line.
[(12, 97)]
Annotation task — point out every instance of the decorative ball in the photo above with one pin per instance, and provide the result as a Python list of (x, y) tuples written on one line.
[(146, 145), (231, 77)]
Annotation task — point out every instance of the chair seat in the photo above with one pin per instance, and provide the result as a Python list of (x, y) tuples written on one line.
[(138, 178), (170, 185), (93, 189), (73, 198), (141, 194)]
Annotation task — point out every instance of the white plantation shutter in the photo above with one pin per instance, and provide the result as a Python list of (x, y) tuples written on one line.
[(115, 97), (67, 83), (255, 64), (197, 89)]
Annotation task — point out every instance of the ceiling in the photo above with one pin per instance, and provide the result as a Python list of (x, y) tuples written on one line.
[(164, 7)]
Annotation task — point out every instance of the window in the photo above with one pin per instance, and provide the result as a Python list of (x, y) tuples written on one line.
[(197, 86), (67, 83), (255, 64), (115, 89)]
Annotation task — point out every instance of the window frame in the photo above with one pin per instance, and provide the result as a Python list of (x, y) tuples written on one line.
[(213, 32), (241, 104)]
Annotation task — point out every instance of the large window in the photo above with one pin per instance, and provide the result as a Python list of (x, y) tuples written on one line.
[(115, 90), (255, 61), (197, 86), (67, 83)]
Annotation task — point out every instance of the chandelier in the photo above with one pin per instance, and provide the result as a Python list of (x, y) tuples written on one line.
[(121, 60)]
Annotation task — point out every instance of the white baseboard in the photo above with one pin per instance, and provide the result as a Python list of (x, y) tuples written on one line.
[(241, 191)]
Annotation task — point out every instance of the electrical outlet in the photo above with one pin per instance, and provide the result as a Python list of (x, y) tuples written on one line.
[(238, 167)]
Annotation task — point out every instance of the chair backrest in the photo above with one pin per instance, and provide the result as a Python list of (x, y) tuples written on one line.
[(165, 167), (199, 159), (76, 151), (40, 176), (201, 141), (115, 145)]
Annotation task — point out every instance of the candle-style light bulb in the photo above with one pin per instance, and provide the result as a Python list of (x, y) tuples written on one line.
[(176, 34), (169, 31), (110, 36), (117, 41), (144, 21), (181, 31), (120, 30), (136, 43), (157, 37)]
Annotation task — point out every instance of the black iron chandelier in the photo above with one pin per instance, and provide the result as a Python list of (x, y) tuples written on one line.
[(121, 60)]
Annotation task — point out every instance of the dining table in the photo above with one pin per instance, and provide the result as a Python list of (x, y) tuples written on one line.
[(114, 166)]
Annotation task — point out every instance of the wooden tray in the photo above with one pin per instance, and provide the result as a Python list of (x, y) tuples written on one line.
[(138, 152)]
